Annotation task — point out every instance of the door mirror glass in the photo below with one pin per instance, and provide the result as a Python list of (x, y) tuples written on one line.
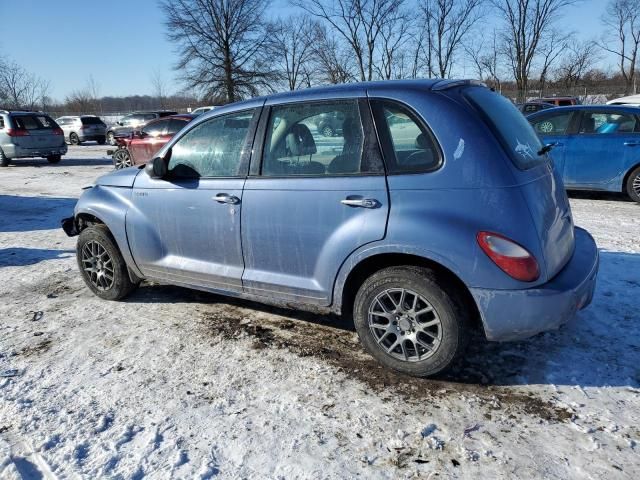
[(156, 168)]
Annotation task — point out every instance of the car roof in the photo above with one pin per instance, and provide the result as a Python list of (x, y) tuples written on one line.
[(586, 108)]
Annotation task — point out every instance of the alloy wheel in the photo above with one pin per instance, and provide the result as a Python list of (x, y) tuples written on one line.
[(98, 265), (121, 158), (404, 324), (636, 185)]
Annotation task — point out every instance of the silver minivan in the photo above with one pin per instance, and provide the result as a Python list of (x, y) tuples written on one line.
[(28, 135), (83, 128)]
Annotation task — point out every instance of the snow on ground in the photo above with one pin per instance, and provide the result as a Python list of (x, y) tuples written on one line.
[(183, 384)]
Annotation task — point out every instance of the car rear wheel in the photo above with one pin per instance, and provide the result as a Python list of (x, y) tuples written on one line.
[(121, 158), (633, 185), (410, 321), (4, 160), (74, 139), (111, 138), (54, 158), (102, 267)]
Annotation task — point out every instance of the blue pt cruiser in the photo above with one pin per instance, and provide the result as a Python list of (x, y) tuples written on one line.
[(432, 210)]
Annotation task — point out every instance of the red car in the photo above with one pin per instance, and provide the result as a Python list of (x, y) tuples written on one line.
[(141, 146)]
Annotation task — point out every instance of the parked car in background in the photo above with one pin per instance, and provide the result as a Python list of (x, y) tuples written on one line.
[(28, 135), (129, 123), (531, 107), (201, 110), (560, 101), (631, 100), (143, 144), (417, 229), (594, 147), (329, 124), (83, 128)]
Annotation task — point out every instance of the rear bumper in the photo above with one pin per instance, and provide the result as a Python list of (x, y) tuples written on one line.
[(14, 151), (518, 314)]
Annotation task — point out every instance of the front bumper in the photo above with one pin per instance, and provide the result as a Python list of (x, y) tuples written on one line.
[(518, 314)]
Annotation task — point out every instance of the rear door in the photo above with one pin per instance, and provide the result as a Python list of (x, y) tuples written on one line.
[(312, 200), (596, 156)]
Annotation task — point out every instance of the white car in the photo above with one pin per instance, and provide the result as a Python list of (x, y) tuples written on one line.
[(201, 110), (631, 100)]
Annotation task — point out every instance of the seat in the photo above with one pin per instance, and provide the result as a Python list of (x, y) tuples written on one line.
[(423, 156), (588, 125), (349, 160), (298, 143)]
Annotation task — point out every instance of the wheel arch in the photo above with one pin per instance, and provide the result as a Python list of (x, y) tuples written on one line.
[(344, 293), (626, 176)]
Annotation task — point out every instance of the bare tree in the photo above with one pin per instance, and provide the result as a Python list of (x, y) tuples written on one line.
[(334, 63), (20, 88), (294, 40), (578, 60), (222, 45), (159, 86), (526, 23), (623, 18), (394, 35), (488, 60), (358, 22), (448, 23), (551, 46)]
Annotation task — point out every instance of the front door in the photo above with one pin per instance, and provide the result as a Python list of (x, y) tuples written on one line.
[(185, 228), (596, 155), (314, 200)]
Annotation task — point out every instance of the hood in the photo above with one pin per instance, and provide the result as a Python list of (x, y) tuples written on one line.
[(119, 178)]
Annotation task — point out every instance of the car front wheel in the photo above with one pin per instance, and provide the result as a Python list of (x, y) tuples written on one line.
[(633, 185), (121, 158), (409, 321), (102, 267)]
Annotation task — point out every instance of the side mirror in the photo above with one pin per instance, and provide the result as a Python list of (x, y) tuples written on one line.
[(156, 168)]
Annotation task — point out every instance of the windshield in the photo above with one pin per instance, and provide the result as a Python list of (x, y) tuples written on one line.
[(513, 129)]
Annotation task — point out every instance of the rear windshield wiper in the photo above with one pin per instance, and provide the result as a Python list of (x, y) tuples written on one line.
[(546, 149)]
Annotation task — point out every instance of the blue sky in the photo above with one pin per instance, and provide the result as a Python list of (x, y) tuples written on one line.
[(121, 42)]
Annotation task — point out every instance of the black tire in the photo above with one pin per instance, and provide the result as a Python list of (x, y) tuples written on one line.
[(4, 160), (101, 141), (95, 252), (74, 139), (54, 158), (111, 139), (633, 185), (442, 305)]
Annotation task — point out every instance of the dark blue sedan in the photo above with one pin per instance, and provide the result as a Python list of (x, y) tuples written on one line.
[(595, 147)]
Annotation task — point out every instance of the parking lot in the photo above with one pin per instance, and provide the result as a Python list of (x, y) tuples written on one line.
[(201, 386)]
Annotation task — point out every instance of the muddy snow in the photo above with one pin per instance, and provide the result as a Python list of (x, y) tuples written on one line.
[(184, 384)]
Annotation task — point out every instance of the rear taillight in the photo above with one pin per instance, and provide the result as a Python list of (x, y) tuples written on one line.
[(58, 131), (18, 132), (512, 258)]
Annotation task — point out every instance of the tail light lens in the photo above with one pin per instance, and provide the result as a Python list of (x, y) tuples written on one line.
[(18, 132), (58, 131), (512, 258)]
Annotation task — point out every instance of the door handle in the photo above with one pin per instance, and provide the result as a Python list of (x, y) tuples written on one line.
[(631, 144), (226, 198), (361, 202)]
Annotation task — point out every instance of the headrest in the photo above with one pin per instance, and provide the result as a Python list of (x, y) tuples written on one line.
[(299, 141), (421, 142)]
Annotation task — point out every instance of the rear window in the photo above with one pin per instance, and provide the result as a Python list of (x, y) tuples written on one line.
[(513, 130), (91, 121), (33, 122)]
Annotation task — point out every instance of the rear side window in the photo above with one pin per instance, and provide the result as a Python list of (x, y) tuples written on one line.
[(91, 121), (409, 146), (175, 126), (553, 123), (154, 129), (511, 127), (602, 123)]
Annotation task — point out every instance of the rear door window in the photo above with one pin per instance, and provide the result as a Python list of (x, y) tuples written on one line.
[(603, 123), (511, 127)]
